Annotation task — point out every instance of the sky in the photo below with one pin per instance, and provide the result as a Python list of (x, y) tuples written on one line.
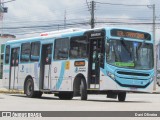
[(29, 18)]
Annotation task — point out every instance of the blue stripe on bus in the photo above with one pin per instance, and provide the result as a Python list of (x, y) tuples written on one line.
[(61, 75)]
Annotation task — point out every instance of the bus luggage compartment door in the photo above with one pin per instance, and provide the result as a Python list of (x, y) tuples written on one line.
[(13, 84)]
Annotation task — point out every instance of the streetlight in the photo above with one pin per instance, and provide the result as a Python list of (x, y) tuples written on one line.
[(154, 37)]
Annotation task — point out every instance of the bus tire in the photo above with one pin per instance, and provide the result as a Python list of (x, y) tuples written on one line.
[(83, 90), (65, 95), (122, 96), (29, 88), (38, 94)]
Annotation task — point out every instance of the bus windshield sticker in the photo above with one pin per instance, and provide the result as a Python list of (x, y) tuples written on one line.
[(123, 64)]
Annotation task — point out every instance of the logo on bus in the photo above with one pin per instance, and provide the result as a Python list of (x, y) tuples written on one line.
[(55, 70), (95, 34), (22, 69), (80, 69)]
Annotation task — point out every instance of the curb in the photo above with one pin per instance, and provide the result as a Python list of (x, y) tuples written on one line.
[(11, 91), (156, 92)]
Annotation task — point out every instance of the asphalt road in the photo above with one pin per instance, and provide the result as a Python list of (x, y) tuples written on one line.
[(134, 102), (48, 102)]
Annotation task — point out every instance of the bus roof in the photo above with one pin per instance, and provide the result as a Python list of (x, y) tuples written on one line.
[(67, 32), (52, 34), (61, 31)]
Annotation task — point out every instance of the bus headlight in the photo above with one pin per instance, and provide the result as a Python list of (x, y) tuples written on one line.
[(112, 76), (152, 79)]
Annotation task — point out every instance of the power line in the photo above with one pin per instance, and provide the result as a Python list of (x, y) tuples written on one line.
[(116, 18), (80, 23), (43, 26), (48, 21), (46, 30), (121, 4), (136, 23), (72, 25), (26, 26), (88, 6), (92, 14)]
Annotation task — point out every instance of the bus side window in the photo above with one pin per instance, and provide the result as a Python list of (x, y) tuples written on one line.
[(61, 49), (78, 47), (35, 51), (48, 54), (7, 54), (25, 52), (15, 57)]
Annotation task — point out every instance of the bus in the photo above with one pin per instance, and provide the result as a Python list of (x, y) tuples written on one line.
[(157, 68), (78, 62)]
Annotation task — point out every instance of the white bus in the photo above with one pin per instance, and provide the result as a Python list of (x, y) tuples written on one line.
[(68, 63)]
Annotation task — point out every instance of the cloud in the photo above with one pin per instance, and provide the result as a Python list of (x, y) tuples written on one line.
[(48, 12)]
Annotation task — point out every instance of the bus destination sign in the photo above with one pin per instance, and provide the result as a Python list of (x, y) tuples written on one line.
[(130, 34)]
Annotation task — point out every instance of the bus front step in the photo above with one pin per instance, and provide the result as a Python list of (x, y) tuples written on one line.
[(94, 86), (46, 91)]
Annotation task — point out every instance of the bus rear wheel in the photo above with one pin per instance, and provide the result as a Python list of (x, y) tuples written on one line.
[(83, 90), (38, 94), (65, 95), (29, 88), (121, 96)]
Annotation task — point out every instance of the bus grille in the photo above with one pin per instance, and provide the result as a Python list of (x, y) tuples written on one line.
[(131, 73)]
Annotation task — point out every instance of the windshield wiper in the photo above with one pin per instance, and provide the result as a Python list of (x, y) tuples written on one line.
[(142, 45), (125, 46)]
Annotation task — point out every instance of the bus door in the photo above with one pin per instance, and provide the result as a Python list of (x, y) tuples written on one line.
[(96, 58), (46, 65), (13, 81)]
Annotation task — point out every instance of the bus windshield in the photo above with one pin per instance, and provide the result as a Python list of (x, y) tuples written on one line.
[(130, 54)]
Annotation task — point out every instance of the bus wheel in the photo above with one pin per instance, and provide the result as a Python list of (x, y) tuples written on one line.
[(29, 88), (122, 96), (83, 90), (38, 94), (65, 95)]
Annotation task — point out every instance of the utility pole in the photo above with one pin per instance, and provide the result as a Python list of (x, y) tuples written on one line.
[(1, 36), (154, 21), (155, 50), (58, 27), (92, 14), (65, 19)]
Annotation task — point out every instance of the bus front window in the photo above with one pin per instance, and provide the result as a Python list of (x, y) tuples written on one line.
[(130, 54)]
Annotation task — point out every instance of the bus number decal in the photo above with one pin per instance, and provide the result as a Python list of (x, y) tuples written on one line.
[(55, 70), (79, 63)]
